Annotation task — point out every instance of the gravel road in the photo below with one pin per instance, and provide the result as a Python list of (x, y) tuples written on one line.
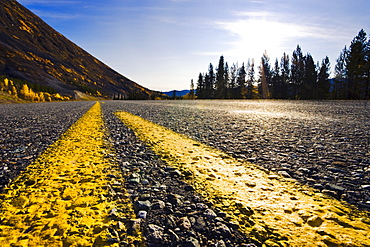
[(323, 144), (28, 129)]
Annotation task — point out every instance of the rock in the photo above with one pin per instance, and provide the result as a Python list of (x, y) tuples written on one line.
[(145, 182), (284, 174), (210, 214), (134, 226), (158, 205), (175, 199), (184, 223), (155, 233), (142, 214), (173, 236), (222, 230), (304, 170), (143, 205), (175, 174), (144, 197), (191, 242), (244, 209), (170, 222), (200, 224), (220, 243), (334, 187), (315, 221), (201, 206), (365, 187)]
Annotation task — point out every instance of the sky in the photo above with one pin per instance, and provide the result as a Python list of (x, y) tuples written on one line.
[(164, 44)]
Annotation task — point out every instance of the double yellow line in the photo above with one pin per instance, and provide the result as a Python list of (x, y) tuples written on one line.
[(63, 198), (273, 210)]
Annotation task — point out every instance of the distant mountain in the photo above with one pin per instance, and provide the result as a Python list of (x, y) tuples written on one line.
[(178, 93), (32, 50)]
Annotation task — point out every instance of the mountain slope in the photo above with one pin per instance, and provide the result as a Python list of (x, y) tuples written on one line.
[(32, 50)]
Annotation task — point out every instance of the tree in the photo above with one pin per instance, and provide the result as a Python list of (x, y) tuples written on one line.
[(356, 67), (323, 83), (250, 80), (191, 94), (241, 82), (200, 87), (276, 81), (285, 76), (308, 85), (220, 83), (232, 92), (265, 76), (297, 71), (227, 81), (209, 82), (340, 90)]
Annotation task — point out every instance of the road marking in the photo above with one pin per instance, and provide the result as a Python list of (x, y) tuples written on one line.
[(64, 197), (274, 210)]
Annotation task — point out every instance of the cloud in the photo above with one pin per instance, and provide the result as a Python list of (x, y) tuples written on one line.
[(254, 32)]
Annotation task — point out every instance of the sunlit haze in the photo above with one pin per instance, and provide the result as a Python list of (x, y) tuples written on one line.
[(163, 44)]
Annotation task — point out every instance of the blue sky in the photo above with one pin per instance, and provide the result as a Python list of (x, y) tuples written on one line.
[(163, 44)]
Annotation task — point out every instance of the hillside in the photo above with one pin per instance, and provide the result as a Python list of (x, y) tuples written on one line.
[(31, 50)]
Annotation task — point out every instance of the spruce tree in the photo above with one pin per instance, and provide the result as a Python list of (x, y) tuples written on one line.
[(340, 90), (220, 83), (323, 83), (297, 71), (356, 66), (308, 86), (200, 87), (285, 76), (241, 82), (250, 79)]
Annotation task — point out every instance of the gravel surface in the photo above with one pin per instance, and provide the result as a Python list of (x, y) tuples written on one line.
[(28, 129), (168, 210), (324, 144)]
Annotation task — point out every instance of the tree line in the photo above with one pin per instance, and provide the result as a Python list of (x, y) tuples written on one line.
[(293, 77), (29, 91)]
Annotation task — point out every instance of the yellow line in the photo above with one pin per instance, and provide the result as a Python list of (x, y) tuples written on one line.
[(274, 210), (63, 198)]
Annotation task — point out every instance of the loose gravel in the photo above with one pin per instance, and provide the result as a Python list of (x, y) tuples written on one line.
[(323, 144), (28, 129)]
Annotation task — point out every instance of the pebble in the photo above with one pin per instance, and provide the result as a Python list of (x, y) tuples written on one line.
[(314, 142)]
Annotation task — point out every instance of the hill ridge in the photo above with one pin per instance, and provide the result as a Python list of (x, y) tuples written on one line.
[(32, 50)]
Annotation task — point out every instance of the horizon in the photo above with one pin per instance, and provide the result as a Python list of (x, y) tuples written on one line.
[(162, 45)]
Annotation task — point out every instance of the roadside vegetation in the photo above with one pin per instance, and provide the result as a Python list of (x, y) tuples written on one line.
[(18, 91), (293, 77)]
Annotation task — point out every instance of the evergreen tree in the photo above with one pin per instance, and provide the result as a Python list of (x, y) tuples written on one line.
[(233, 84), (250, 80), (265, 76), (356, 67), (297, 71), (227, 81), (208, 89), (210, 82), (308, 86), (340, 90), (323, 83), (220, 80), (276, 88), (200, 87), (285, 76), (241, 82), (191, 94)]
